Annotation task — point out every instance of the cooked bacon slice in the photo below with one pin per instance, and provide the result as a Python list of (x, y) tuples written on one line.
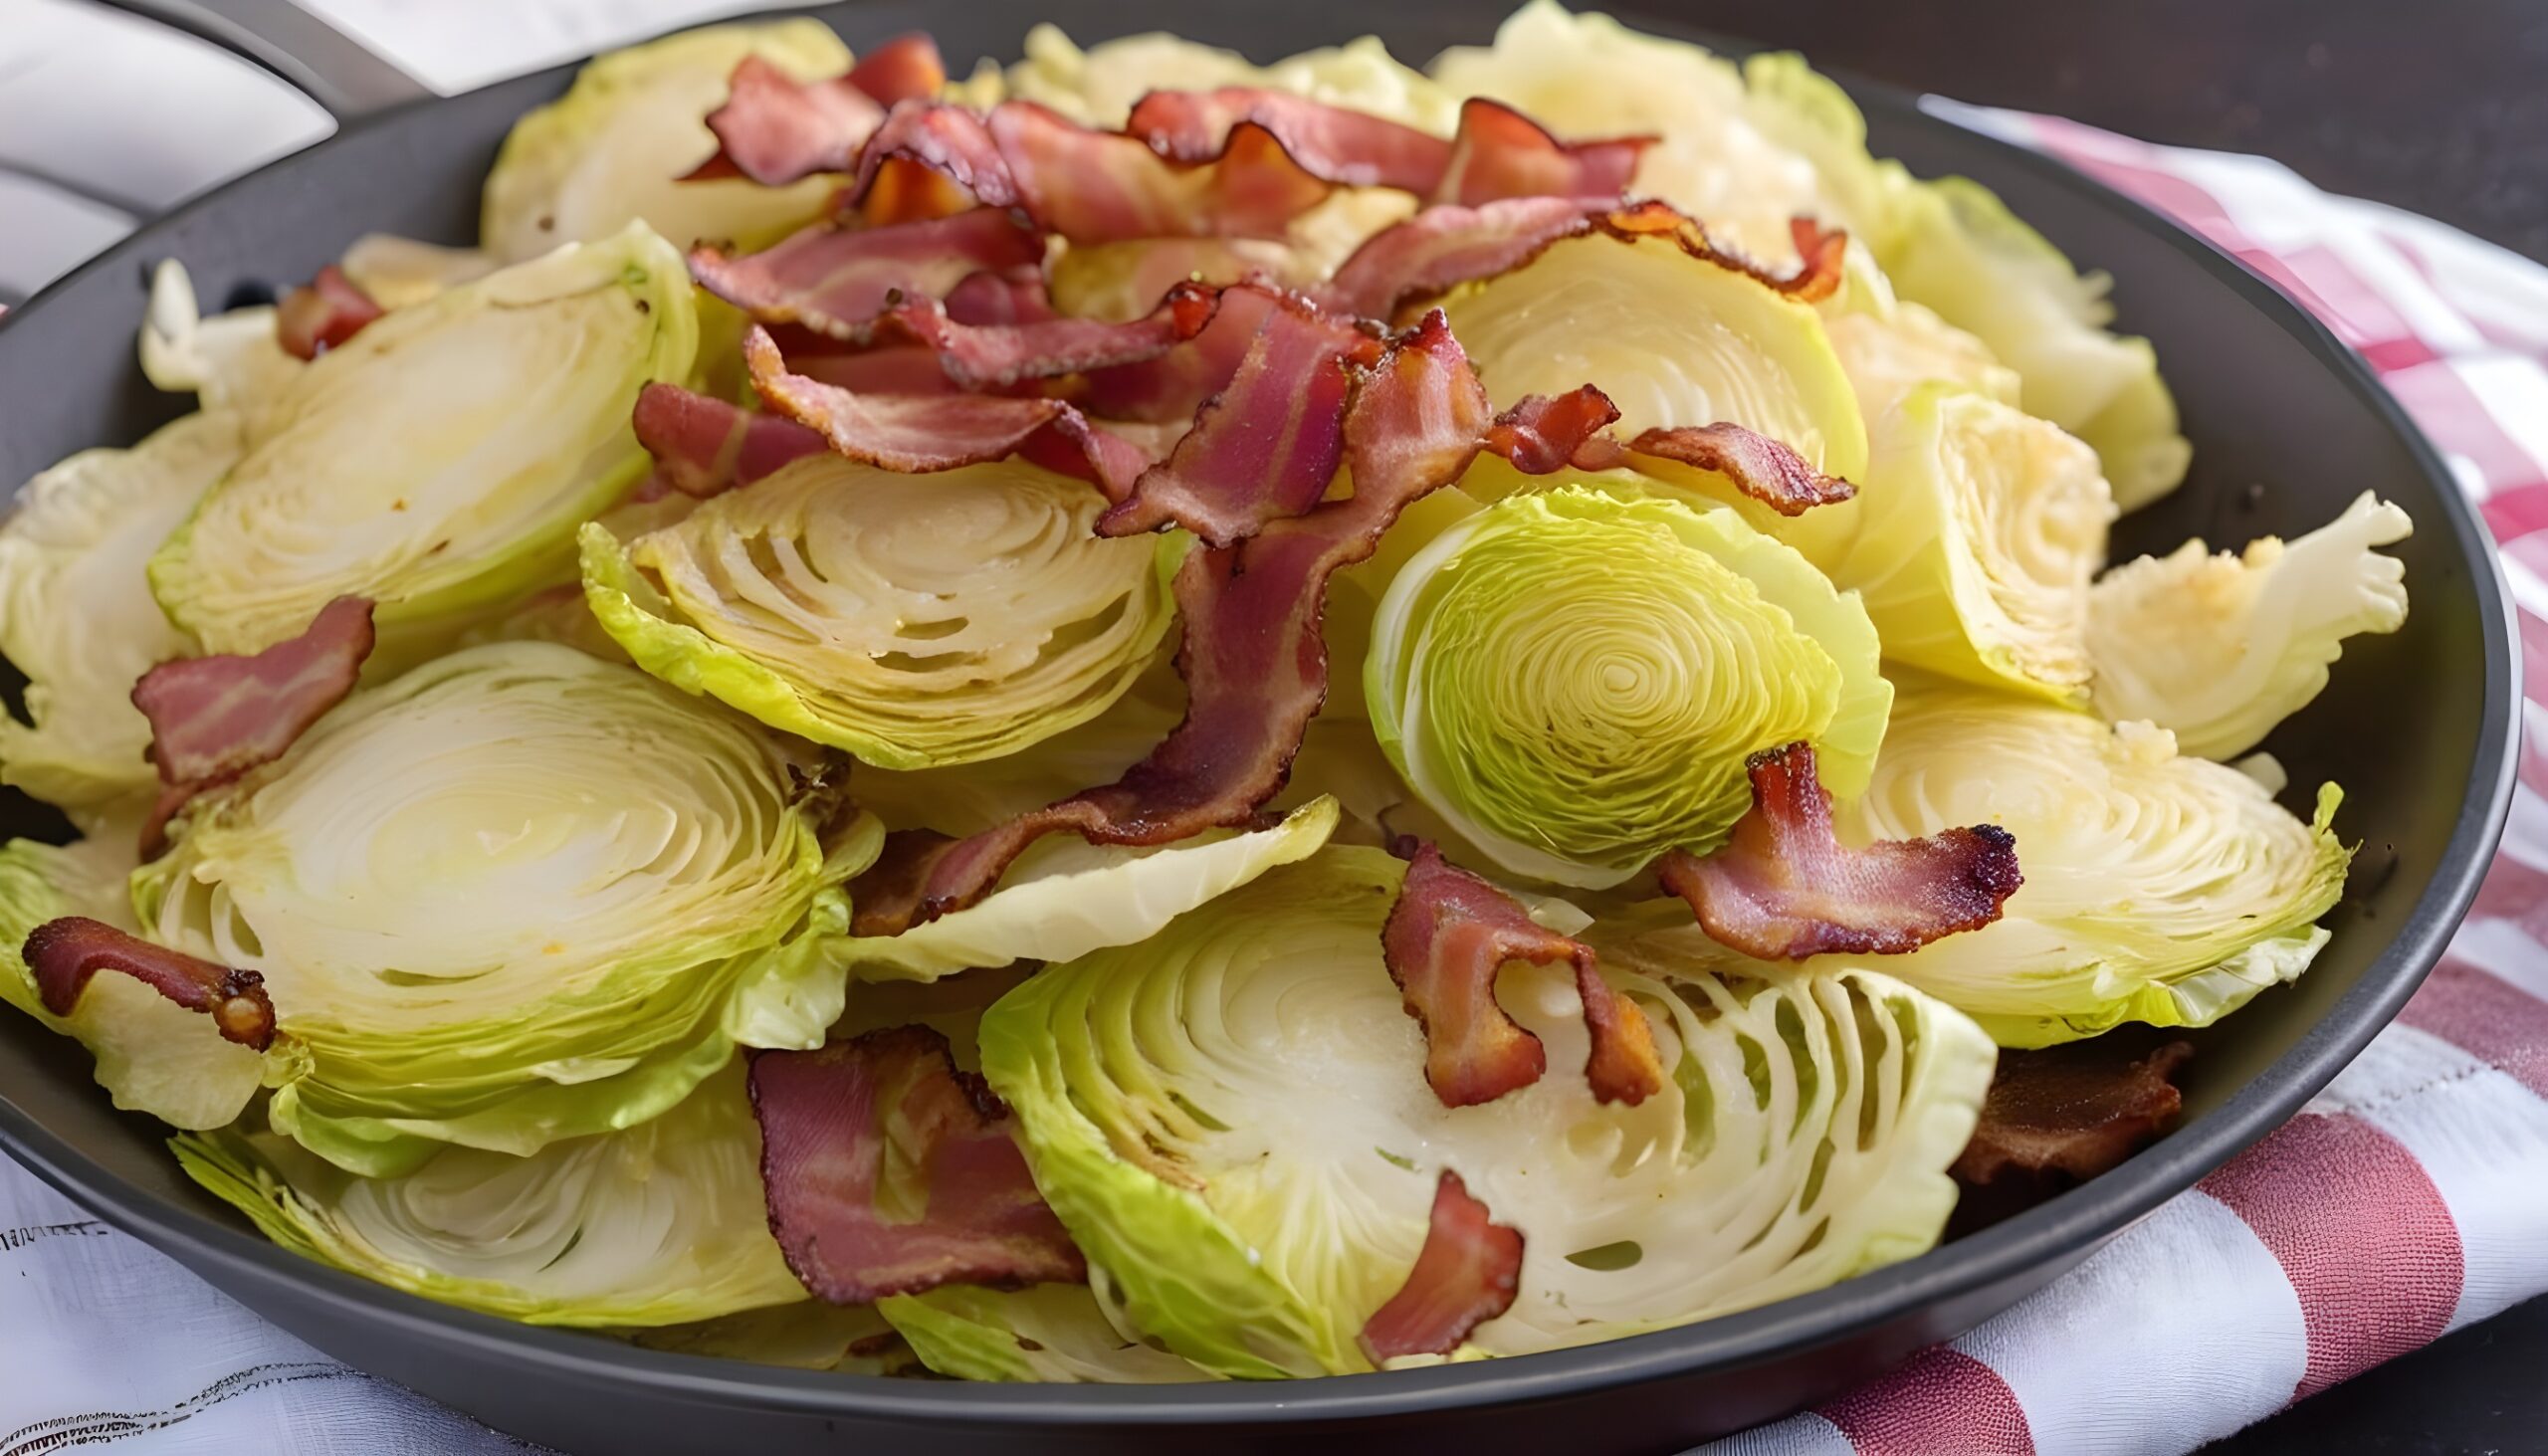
[(1465, 1274), (1004, 355), (836, 280), (1444, 941), (1335, 144), (704, 446), (2071, 1111), (1542, 435), (323, 314), (1501, 154), (952, 141), (212, 718), (827, 1118), (63, 954), (922, 433), (776, 129), (1761, 468), (1785, 888), (1254, 666), (1441, 248), (1265, 446)]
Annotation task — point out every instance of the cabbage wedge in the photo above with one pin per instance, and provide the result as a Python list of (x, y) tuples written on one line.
[(1573, 679), (153, 1056), (612, 148), (2221, 648), (1059, 1334), (2158, 888), (661, 1223), (1979, 530), (76, 614), (1233, 1120), (514, 896), (914, 620), (441, 460), (1098, 86), (231, 363)]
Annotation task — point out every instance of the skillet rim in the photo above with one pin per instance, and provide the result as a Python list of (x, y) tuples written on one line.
[(2056, 1233)]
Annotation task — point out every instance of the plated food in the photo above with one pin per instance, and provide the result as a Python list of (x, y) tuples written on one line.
[(1144, 718)]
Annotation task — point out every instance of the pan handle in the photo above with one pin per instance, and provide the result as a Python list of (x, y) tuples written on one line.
[(332, 68)]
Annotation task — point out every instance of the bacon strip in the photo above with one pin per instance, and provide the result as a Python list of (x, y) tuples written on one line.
[(1500, 154), (1785, 888), (1334, 143), (826, 1120), (835, 280), (1542, 435), (920, 433), (2071, 1111), (776, 129), (1267, 445), (1004, 355), (1254, 666), (63, 954), (1444, 941), (212, 718), (1466, 1274), (1761, 468), (704, 446), (323, 314)]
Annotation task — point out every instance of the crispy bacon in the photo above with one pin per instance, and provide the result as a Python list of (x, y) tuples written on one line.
[(776, 129), (1785, 888), (1004, 355), (212, 718), (1820, 251), (1763, 469), (1542, 435), (704, 446), (1500, 154), (1446, 938), (920, 433), (1265, 446), (62, 955), (836, 280), (827, 1119), (954, 142), (1254, 666), (1334, 143), (323, 314), (1466, 1274), (1171, 389), (2071, 1111)]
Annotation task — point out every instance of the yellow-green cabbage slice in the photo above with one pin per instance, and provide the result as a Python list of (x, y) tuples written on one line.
[(76, 614), (1099, 85), (516, 896), (2221, 648), (1979, 530), (661, 1223), (231, 363), (1233, 1120), (153, 1056), (1059, 1334), (914, 620), (1573, 679), (440, 461), (612, 148)]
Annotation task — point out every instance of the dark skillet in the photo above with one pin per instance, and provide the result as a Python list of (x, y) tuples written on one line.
[(2288, 427)]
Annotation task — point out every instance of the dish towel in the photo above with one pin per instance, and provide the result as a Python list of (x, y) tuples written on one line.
[(2408, 1200)]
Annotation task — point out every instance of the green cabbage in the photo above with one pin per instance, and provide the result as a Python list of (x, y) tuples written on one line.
[(516, 896), (1098, 86), (1979, 530), (440, 461), (808, 1335), (1058, 1333), (400, 272), (2158, 888), (1233, 1121), (231, 363), (76, 614), (612, 148), (154, 1055), (1573, 679), (1890, 347), (660, 1223), (913, 620), (2221, 648)]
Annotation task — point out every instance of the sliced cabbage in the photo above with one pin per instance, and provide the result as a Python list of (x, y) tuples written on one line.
[(1671, 338), (973, 797), (516, 895), (1891, 351), (808, 1335), (612, 148), (153, 1056), (1055, 1333), (440, 461), (2158, 888), (661, 1223), (1587, 76), (76, 614), (914, 620), (1233, 1120), (1098, 86), (1573, 679), (231, 363), (1979, 530), (400, 272), (2221, 648)]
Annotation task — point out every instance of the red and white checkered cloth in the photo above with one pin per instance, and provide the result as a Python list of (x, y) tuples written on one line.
[(2409, 1199)]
